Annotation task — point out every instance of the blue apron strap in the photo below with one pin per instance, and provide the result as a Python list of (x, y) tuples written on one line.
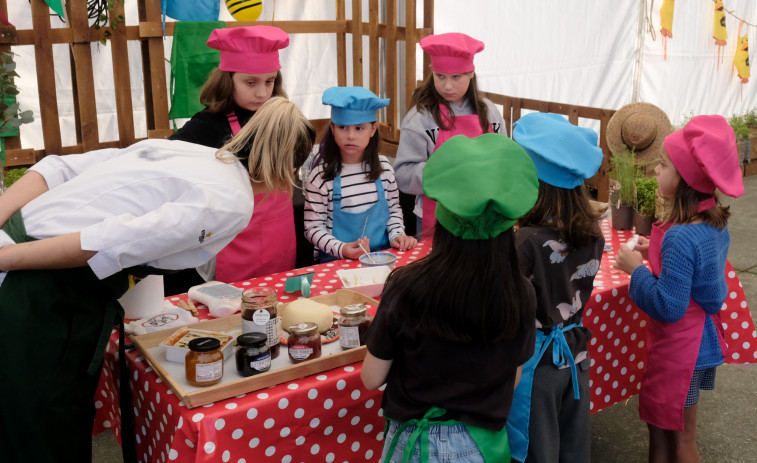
[(561, 354), (336, 193)]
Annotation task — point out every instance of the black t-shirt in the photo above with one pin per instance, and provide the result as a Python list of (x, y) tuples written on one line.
[(211, 129), (474, 383)]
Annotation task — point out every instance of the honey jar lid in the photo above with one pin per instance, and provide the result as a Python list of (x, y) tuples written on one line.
[(260, 295), (204, 344), (354, 310), (303, 328), (251, 339)]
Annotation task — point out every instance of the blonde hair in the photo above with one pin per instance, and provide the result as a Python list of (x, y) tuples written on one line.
[(279, 139), (217, 94)]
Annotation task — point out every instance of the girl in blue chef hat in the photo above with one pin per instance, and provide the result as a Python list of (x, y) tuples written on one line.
[(351, 197), (559, 245)]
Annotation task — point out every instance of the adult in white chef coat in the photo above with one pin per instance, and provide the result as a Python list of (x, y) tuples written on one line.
[(75, 227)]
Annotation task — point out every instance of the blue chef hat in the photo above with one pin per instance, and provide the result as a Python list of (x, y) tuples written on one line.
[(564, 154), (353, 105)]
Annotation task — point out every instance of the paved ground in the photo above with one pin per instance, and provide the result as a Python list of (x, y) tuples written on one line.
[(727, 416)]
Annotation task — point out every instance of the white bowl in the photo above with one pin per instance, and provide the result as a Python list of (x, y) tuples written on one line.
[(365, 280), (381, 258)]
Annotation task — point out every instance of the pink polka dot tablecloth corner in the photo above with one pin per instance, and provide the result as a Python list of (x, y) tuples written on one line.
[(330, 416)]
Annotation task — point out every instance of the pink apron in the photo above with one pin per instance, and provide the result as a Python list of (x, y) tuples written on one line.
[(672, 350), (470, 126), (267, 245)]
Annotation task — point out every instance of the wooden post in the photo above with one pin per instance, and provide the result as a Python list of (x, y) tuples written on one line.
[(341, 47), (392, 117), (373, 47), (154, 71), (410, 43), (357, 43), (121, 79), (82, 75), (48, 98)]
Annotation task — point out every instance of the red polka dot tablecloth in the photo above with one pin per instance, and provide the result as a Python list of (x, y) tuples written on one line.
[(330, 417)]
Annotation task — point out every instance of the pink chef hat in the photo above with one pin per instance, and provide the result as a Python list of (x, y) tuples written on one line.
[(704, 154), (251, 49), (451, 53)]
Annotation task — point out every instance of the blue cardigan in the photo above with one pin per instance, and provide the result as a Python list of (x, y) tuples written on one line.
[(693, 266)]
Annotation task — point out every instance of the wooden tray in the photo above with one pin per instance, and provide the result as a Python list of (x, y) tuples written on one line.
[(232, 384)]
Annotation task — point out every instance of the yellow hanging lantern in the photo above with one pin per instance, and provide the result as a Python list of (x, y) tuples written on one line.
[(741, 58), (719, 32), (245, 10), (666, 23)]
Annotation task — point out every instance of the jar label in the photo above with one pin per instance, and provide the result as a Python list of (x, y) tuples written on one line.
[(208, 371), (249, 326), (300, 352), (272, 331), (349, 336), (261, 317), (261, 363)]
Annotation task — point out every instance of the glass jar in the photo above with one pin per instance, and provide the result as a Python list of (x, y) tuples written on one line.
[(304, 342), (203, 364), (252, 354), (259, 315), (353, 324)]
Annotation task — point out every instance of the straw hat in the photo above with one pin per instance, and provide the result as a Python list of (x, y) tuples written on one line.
[(641, 127)]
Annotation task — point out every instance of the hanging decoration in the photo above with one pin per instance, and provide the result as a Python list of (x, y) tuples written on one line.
[(719, 32), (56, 6), (666, 21), (245, 10)]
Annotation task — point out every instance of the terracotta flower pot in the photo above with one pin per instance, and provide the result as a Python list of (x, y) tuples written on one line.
[(643, 223), (622, 217)]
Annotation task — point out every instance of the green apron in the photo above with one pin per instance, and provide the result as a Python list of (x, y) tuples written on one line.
[(56, 324), (493, 445)]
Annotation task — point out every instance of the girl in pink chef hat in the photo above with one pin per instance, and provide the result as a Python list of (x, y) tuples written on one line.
[(248, 75), (686, 287), (448, 103)]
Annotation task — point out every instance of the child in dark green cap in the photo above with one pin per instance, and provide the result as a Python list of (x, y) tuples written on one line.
[(454, 328)]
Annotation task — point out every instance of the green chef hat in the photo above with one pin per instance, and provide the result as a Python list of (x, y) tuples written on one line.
[(482, 185)]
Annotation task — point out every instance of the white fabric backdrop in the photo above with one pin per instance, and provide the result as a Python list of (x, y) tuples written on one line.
[(571, 51)]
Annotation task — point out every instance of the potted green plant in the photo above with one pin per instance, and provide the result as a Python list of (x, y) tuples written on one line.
[(622, 197), (10, 116), (646, 196), (742, 131)]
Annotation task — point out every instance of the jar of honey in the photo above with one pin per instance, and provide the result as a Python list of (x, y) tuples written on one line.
[(203, 364), (252, 354), (353, 324), (304, 342), (260, 315)]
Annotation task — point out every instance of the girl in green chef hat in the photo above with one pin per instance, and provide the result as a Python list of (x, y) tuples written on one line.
[(454, 329)]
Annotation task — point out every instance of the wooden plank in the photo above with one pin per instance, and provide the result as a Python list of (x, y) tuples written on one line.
[(410, 43), (43, 56), (154, 71), (122, 79), (19, 157), (161, 133), (392, 111), (155, 28), (82, 73), (8, 34), (357, 43), (374, 80), (341, 47), (428, 29)]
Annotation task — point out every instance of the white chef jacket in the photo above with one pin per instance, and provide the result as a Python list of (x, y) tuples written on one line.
[(168, 204)]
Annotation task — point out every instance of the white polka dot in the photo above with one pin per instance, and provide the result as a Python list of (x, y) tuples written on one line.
[(355, 446), (369, 455), (598, 391), (315, 422), (746, 345), (745, 325), (734, 315), (623, 371), (355, 420), (312, 394), (623, 392), (368, 428), (284, 432), (220, 423), (736, 356), (341, 384), (225, 456), (342, 413), (209, 447), (731, 274), (231, 405), (237, 434), (170, 410), (330, 458), (355, 394), (607, 399), (269, 423), (641, 365), (598, 298), (286, 459), (173, 454), (328, 430), (254, 442), (197, 417), (607, 376), (181, 422), (734, 335), (733, 295), (252, 413), (328, 403), (300, 440), (369, 403), (270, 451), (315, 449), (299, 413), (262, 396), (293, 386), (341, 438), (283, 403)]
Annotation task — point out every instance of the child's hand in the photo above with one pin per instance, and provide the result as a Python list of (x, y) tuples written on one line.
[(627, 260), (404, 242), (353, 251), (643, 247)]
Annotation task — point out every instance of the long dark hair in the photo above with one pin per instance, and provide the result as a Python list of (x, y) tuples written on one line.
[(464, 290), (568, 212), (426, 98), (682, 207), (217, 94), (331, 157)]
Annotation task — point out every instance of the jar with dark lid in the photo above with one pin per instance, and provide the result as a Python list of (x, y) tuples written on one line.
[(304, 342), (252, 354), (203, 364), (353, 324), (260, 315)]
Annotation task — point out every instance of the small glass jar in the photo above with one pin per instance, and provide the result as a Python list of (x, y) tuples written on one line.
[(252, 354), (353, 324), (203, 364), (260, 315), (304, 342)]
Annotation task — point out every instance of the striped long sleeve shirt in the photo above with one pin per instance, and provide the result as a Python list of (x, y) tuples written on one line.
[(358, 194)]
